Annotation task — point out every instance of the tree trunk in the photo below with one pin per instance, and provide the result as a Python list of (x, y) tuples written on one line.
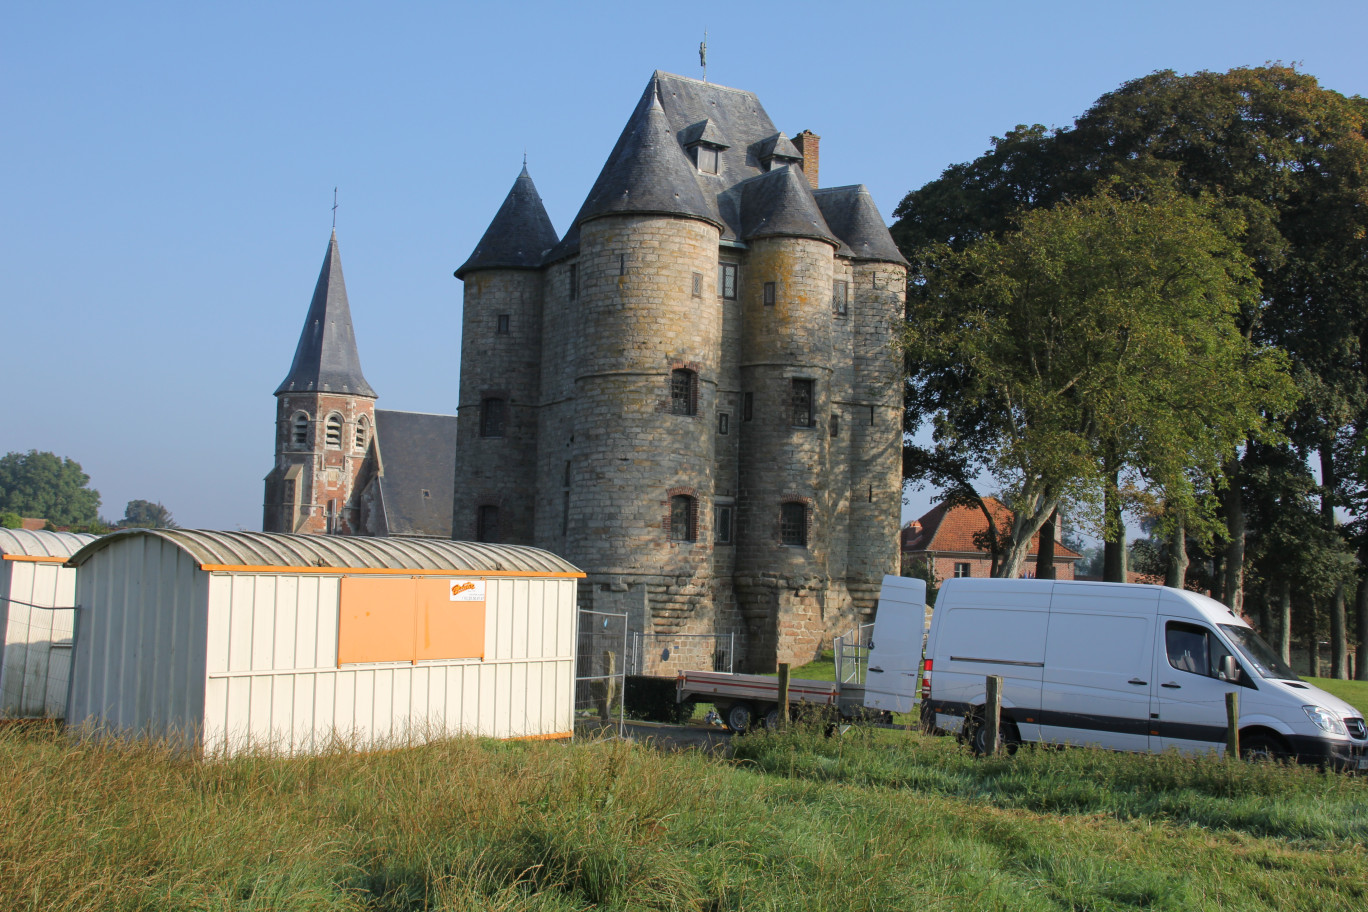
[(1233, 588), (1114, 552), (1218, 574), (1361, 612), (1285, 622), (1313, 649), (1176, 574), (1339, 639), (1045, 553)]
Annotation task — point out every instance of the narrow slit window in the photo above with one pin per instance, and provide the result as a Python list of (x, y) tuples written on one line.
[(722, 525), (574, 281), (698, 284), (622, 264), (747, 406), (504, 325), (723, 423), (800, 393), (835, 425), (726, 281), (769, 294), (838, 298)]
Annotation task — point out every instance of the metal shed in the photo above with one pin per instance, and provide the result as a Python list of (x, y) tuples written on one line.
[(37, 595), (230, 641)]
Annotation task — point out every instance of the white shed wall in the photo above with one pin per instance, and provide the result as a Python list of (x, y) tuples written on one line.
[(138, 663), (36, 615), (272, 680)]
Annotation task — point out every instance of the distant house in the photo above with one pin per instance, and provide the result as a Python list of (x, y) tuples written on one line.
[(951, 541)]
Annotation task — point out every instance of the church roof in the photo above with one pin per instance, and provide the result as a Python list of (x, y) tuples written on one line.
[(852, 215), (326, 360), (520, 235), (780, 203), (418, 475)]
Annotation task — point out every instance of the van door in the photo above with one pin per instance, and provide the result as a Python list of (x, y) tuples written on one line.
[(896, 645), (1099, 654), (1190, 694)]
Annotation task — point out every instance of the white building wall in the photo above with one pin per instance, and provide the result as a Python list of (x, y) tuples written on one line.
[(272, 680), (36, 615)]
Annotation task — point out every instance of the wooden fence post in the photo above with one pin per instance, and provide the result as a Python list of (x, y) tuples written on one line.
[(1233, 724), (783, 695), (992, 715)]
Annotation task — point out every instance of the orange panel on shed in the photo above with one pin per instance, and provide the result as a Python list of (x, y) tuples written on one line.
[(447, 628), (376, 622)]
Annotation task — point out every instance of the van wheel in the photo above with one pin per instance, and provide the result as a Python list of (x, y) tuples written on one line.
[(739, 717), (1008, 737), (1264, 749)]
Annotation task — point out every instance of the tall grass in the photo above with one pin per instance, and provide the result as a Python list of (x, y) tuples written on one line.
[(799, 822)]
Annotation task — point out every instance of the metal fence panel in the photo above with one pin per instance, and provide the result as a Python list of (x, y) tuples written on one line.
[(601, 670), (667, 654)]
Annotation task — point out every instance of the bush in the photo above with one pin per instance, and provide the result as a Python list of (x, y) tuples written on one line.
[(653, 699)]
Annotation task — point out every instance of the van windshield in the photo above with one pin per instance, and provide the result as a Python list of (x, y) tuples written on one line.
[(1258, 653)]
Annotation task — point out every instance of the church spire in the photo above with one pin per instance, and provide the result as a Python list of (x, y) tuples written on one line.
[(326, 360)]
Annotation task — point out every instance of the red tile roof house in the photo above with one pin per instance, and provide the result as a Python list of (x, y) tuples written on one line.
[(945, 539)]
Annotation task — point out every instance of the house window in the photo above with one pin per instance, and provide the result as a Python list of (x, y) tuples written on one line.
[(362, 433), (723, 423), (835, 424), (838, 298), (299, 430), (747, 406), (492, 417), (698, 284), (683, 392), (769, 294), (487, 524), (793, 519), (707, 160), (800, 395), (722, 525), (726, 281), (332, 435), (683, 518), (504, 323), (574, 281), (961, 571)]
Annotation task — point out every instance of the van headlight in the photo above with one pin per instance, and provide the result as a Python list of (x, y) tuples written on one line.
[(1326, 721)]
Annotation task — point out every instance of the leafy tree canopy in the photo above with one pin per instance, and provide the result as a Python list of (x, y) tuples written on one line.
[(42, 485), (144, 514), (11, 521)]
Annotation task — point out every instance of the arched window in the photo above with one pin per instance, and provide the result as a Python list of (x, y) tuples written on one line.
[(793, 524), (362, 433), (299, 430), (487, 524), (683, 392), (492, 416), (332, 432), (683, 518)]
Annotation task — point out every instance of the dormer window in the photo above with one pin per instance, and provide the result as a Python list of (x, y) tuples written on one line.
[(704, 141), (778, 151), (707, 159)]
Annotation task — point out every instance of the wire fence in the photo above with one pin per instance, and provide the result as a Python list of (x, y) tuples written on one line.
[(601, 671), (851, 651), (666, 654)]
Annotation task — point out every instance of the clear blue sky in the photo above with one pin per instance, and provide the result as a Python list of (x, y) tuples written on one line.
[(166, 173)]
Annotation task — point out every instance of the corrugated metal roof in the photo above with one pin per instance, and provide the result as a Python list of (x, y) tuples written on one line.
[(42, 543), (268, 549)]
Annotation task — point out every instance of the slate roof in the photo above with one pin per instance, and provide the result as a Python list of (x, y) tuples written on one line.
[(650, 172), (418, 471), (946, 529), (326, 360), (519, 237)]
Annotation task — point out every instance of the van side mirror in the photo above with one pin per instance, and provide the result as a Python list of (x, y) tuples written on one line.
[(1230, 671)]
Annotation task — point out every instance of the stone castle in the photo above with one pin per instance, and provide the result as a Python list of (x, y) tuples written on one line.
[(694, 395)]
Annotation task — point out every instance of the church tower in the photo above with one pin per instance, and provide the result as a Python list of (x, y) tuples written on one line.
[(325, 421)]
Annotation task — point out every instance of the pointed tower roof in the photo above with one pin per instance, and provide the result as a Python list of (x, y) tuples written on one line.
[(779, 203), (851, 213), (520, 235), (325, 360)]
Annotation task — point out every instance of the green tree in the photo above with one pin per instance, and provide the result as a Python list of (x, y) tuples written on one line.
[(42, 485), (11, 521), (1097, 339), (144, 514)]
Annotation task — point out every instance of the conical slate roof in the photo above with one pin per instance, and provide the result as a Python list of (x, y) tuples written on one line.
[(779, 203), (851, 213), (520, 235), (325, 360)]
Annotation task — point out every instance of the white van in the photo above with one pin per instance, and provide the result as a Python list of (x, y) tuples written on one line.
[(1125, 667)]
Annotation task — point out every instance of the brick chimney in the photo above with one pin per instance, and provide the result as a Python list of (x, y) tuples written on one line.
[(808, 144)]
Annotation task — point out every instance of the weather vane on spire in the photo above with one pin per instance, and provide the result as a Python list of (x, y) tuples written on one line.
[(703, 55), (334, 208)]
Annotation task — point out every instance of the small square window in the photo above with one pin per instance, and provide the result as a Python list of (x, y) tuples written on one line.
[(838, 298), (769, 294), (504, 323), (723, 423), (698, 284), (961, 571), (726, 281), (793, 524), (492, 417)]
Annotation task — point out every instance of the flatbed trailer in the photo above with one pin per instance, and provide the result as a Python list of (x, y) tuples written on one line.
[(746, 699)]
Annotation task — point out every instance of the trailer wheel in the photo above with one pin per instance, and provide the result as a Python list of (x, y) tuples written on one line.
[(739, 717), (772, 719)]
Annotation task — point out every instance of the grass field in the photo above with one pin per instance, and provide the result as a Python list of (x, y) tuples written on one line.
[(1355, 693), (877, 819)]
